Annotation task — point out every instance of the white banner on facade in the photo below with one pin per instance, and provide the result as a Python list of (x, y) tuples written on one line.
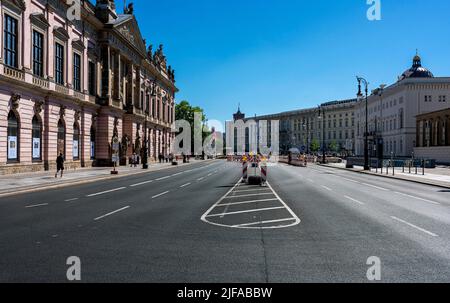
[(36, 148), (75, 149), (12, 147)]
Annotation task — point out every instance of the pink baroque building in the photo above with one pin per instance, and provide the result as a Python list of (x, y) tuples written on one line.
[(71, 87)]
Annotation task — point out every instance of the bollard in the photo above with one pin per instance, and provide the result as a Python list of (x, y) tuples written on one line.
[(393, 169), (403, 167), (264, 173), (416, 168), (409, 166), (378, 164), (423, 167)]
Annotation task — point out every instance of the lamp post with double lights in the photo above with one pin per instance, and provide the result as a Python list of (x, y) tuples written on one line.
[(366, 133), (147, 115)]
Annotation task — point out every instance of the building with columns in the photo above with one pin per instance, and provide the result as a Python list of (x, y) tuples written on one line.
[(392, 111), (70, 87)]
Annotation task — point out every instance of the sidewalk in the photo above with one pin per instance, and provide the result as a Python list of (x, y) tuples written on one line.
[(439, 176), (29, 182)]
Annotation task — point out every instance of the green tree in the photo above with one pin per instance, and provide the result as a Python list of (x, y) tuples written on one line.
[(315, 146), (334, 146), (185, 111)]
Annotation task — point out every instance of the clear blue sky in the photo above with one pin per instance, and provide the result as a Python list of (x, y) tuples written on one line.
[(278, 55)]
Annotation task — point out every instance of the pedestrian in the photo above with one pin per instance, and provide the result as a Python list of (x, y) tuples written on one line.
[(135, 159), (59, 165)]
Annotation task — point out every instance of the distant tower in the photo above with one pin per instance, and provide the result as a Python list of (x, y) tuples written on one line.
[(238, 115)]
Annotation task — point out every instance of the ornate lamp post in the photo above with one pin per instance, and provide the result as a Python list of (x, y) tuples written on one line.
[(366, 133), (321, 110)]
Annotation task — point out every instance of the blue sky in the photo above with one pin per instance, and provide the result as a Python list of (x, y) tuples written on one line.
[(278, 55)]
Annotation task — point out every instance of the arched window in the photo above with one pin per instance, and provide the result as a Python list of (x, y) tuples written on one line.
[(92, 142), (13, 137), (76, 142), (36, 139), (61, 145)]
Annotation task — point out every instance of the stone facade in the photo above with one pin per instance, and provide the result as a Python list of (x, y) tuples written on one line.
[(392, 112), (433, 136), (298, 129), (71, 86)]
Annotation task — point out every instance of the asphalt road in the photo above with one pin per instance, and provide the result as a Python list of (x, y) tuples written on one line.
[(199, 224)]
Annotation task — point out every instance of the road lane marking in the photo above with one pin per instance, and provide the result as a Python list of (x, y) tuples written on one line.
[(327, 188), (184, 185), (415, 226), (161, 194), (245, 211), (70, 200), (247, 190), (163, 178), (142, 183), (240, 185), (200, 179), (377, 187), (106, 192), (249, 195), (177, 174), (247, 202), (111, 213), (418, 198), (36, 205), (210, 174), (354, 200), (354, 181), (264, 222)]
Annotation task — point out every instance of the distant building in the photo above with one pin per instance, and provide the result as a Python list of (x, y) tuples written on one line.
[(298, 129)]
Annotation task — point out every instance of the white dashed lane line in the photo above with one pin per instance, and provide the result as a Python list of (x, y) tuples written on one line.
[(161, 194), (415, 226), (354, 200), (36, 205), (111, 213), (106, 192), (71, 200), (184, 185), (142, 183)]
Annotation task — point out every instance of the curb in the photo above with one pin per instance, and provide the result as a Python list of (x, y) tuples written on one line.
[(39, 188), (389, 177)]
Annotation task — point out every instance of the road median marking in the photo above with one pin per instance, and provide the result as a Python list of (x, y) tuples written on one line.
[(161, 194), (415, 226), (247, 202), (264, 222), (249, 195), (111, 213), (245, 211), (105, 192)]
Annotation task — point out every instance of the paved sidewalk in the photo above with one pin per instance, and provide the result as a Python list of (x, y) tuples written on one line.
[(10, 184), (439, 176)]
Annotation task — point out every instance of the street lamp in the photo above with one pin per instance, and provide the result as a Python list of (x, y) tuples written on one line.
[(145, 154), (366, 133), (321, 110)]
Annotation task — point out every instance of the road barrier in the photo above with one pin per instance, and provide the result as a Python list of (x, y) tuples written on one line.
[(264, 172), (244, 171)]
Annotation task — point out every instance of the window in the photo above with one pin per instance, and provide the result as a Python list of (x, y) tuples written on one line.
[(61, 143), (76, 72), (92, 79), (428, 98), (37, 139), (401, 118), (442, 98), (59, 64), (76, 142), (38, 54), (153, 108), (147, 103), (10, 41), (141, 101), (13, 137)]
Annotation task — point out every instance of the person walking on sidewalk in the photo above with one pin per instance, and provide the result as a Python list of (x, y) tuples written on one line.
[(59, 165)]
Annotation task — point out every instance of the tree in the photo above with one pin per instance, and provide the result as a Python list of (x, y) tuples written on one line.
[(315, 146), (334, 146), (185, 111)]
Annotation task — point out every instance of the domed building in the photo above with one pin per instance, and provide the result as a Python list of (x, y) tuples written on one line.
[(417, 70), (394, 129)]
